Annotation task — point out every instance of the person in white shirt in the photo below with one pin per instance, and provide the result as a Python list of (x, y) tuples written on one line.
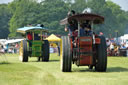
[(111, 46)]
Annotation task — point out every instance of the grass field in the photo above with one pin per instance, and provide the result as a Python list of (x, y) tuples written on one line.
[(14, 72)]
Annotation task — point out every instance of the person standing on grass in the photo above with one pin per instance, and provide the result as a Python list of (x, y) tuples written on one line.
[(6, 48)]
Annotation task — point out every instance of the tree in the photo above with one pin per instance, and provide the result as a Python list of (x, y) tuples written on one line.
[(24, 13), (113, 16), (47, 12), (52, 11), (120, 16), (5, 15), (79, 5)]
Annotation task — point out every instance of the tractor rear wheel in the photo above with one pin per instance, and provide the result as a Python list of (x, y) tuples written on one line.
[(23, 51), (45, 51), (66, 58), (101, 61)]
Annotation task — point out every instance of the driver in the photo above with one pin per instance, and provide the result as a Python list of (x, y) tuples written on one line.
[(88, 30), (29, 36), (85, 30)]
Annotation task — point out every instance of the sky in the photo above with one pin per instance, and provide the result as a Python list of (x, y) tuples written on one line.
[(122, 3)]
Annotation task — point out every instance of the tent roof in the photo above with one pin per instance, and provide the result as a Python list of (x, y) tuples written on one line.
[(53, 37), (13, 41)]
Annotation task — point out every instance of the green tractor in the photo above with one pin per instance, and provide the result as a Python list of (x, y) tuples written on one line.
[(34, 44)]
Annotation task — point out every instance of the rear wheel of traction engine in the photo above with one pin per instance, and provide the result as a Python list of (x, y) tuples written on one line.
[(45, 51), (66, 58), (23, 51), (101, 61)]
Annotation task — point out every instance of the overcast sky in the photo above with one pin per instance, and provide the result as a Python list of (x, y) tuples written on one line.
[(122, 3)]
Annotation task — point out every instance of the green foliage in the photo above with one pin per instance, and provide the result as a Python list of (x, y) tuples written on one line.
[(50, 12), (47, 12), (120, 17), (24, 13), (5, 15), (114, 17), (79, 5)]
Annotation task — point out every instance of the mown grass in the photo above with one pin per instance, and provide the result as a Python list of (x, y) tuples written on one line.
[(14, 72)]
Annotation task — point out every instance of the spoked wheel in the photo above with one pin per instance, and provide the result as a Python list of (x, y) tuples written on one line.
[(45, 51), (66, 58), (101, 61), (23, 51)]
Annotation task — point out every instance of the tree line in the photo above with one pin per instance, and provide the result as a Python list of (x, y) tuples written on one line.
[(20, 13)]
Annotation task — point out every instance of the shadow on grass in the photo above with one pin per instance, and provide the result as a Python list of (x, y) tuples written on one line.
[(34, 61), (54, 60), (82, 70), (117, 69), (109, 69), (44, 61), (3, 62)]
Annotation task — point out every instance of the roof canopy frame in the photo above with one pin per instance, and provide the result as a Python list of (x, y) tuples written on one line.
[(83, 17)]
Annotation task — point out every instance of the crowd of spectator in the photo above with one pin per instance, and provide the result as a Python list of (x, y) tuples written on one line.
[(116, 49), (9, 48)]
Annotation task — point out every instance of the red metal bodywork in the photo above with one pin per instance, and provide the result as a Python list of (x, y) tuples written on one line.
[(71, 44), (97, 40), (84, 50)]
